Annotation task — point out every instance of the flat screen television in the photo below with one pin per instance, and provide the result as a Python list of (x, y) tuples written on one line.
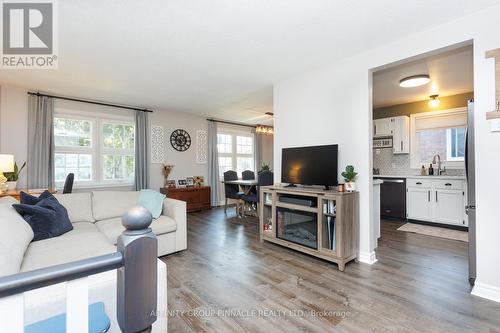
[(314, 165)]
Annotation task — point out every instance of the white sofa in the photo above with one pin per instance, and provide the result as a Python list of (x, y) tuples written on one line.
[(96, 219)]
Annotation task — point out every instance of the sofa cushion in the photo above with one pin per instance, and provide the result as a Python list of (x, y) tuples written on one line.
[(112, 228), (109, 204), (84, 241), (15, 236), (78, 205), (48, 218)]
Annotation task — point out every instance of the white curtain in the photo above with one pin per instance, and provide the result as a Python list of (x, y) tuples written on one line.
[(213, 163), (40, 166)]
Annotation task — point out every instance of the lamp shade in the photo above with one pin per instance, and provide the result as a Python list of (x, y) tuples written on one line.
[(6, 163)]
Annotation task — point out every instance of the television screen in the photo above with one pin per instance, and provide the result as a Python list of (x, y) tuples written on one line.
[(315, 165)]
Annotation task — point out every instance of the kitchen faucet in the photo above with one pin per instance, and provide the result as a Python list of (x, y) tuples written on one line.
[(437, 160)]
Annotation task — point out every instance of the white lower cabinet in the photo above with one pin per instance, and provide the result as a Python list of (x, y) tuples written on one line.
[(436, 201), (418, 204)]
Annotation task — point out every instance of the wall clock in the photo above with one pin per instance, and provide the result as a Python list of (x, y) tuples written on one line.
[(180, 140)]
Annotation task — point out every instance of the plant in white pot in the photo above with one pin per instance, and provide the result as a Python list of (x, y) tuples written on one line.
[(13, 177), (349, 176)]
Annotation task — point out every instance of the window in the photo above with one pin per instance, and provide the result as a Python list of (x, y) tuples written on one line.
[(439, 133), (235, 151), (97, 150)]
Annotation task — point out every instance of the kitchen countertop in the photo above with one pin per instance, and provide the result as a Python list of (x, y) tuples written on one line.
[(421, 177)]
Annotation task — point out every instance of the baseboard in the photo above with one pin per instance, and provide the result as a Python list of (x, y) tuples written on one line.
[(486, 291), (367, 257)]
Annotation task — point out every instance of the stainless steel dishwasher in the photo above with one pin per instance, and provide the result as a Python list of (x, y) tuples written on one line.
[(393, 198)]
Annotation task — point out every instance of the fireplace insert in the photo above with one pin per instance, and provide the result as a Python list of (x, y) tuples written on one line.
[(297, 226)]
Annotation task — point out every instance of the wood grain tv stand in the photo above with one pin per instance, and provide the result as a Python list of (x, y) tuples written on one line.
[(321, 223)]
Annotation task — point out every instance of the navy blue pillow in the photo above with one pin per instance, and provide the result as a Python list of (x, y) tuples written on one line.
[(29, 199), (47, 217)]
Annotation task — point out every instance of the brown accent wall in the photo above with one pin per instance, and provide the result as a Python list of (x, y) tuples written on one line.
[(448, 102)]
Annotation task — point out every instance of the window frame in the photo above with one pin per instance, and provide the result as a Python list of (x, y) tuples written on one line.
[(97, 149), (234, 133), (415, 162)]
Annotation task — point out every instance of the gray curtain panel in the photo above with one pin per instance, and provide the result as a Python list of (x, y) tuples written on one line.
[(40, 166), (213, 163), (258, 150), (141, 150)]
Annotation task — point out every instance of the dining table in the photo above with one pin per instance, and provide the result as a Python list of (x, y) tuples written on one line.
[(246, 186)]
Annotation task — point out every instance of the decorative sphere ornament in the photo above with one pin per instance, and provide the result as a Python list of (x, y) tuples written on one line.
[(137, 218)]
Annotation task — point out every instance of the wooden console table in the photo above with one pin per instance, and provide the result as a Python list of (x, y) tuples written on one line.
[(321, 223), (16, 193), (197, 198)]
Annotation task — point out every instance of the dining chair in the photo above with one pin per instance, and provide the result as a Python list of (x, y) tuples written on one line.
[(248, 175), (265, 178), (232, 191), (68, 183)]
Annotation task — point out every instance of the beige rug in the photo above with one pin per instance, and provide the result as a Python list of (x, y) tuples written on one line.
[(435, 231)]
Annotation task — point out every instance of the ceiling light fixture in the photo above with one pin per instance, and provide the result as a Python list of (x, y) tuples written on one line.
[(434, 101), (414, 81), (262, 129)]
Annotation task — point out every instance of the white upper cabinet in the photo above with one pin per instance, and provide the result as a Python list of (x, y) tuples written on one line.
[(401, 136), (382, 127)]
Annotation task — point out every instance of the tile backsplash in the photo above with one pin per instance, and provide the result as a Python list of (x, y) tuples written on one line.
[(399, 164)]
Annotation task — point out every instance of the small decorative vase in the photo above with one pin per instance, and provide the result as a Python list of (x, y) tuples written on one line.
[(350, 186), (11, 185)]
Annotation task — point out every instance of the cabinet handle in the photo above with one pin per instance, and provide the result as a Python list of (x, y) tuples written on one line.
[(447, 184), (418, 183), (436, 196), (375, 128), (429, 196), (401, 145)]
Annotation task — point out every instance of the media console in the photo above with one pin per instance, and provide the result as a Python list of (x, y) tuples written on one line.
[(321, 223)]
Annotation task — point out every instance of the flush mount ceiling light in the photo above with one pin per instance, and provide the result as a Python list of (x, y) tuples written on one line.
[(434, 101), (414, 81)]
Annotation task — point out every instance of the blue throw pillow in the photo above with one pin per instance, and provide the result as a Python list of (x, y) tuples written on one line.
[(152, 201), (47, 217), (29, 199)]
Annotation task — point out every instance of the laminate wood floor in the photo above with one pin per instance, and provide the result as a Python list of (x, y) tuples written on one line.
[(227, 281)]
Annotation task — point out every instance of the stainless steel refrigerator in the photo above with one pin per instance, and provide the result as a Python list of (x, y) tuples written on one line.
[(470, 208)]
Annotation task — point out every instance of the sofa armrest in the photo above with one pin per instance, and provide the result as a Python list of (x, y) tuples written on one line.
[(176, 209)]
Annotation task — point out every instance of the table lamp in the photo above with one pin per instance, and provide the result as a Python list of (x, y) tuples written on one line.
[(6, 165)]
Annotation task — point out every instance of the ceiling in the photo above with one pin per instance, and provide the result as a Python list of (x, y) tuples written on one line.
[(216, 58), (451, 73)]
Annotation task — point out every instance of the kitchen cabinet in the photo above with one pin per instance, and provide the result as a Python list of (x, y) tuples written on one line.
[(382, 127), (401, 135), (419, 206), (439, 201)]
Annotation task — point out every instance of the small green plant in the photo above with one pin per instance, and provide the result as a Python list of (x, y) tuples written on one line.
[(349, 174), (265, 167), (14, 176)]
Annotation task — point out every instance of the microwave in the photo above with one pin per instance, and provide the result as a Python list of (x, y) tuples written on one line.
[(382, 143)]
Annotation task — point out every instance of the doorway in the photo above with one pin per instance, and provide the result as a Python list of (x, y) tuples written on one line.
[(423, 156)]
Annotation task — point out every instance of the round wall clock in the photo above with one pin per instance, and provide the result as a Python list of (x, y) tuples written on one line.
[(180, 140)]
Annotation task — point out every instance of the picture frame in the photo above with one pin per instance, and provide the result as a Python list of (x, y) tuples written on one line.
[(181, 183), (189, 182), (199, 181), (171, 183)]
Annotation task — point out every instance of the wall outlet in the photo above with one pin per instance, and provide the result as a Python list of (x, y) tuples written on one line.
[(495, 125)]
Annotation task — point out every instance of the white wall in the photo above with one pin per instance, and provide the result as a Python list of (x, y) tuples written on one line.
[(14, 135), (14, 125), (185, 162), (332, 104)]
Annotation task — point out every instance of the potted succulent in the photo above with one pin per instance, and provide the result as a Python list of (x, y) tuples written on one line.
[(349, 176), (264, 167), (13, 177)]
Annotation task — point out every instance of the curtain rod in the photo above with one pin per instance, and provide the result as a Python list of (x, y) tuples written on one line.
[(90, 102), (230, 122)]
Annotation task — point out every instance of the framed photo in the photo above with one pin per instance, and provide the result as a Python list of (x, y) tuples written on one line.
[(189, 182), (199, 181), (171, 183), (181, 183)]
